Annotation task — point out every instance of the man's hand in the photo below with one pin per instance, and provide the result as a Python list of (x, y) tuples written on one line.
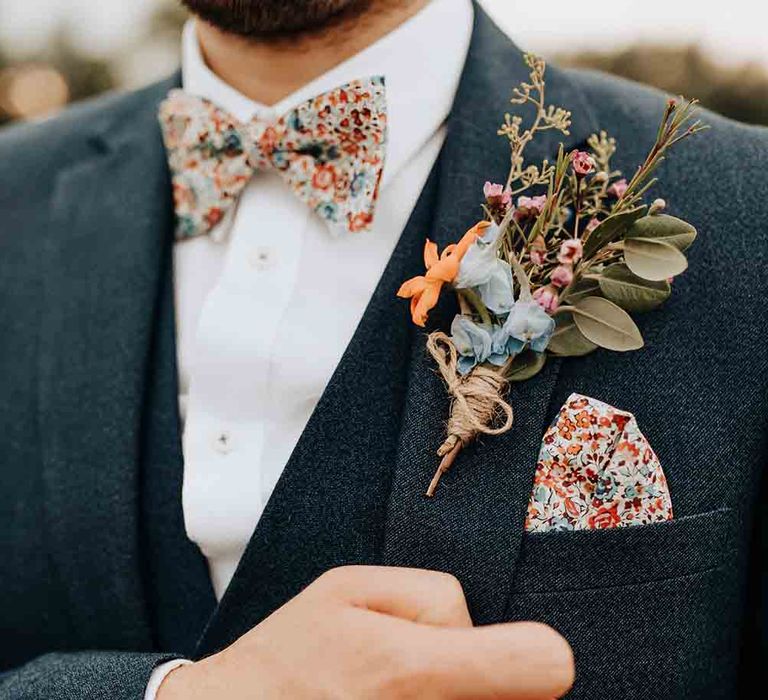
[(379, 632)]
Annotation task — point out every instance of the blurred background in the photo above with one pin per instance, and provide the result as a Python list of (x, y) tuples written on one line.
[(53, 52)]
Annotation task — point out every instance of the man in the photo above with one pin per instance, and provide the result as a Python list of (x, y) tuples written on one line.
[(206, 418)]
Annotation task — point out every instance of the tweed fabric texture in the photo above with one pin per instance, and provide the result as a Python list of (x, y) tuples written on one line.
[(682, 602)]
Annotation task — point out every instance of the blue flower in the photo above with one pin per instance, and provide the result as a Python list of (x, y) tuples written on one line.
[(232, 143), (328, 211), (477, 343), (529, 324), (186, 226), (482, 270), (605, 489), (496, 293), (472, 341), (505, 345), (652, 490), (358, 184), (280, 159), (561, 524), (293, 120), (540, 494)]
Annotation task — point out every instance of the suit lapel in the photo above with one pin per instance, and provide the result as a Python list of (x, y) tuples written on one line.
[(474, 524), (111, 227)]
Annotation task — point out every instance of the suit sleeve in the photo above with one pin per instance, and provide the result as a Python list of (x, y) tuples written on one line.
[(755, 644), (85, 675), (761, 579)]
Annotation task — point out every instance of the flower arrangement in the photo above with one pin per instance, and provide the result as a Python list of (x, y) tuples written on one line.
[(565, 251)]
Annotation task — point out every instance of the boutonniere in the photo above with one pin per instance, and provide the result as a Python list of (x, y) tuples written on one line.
[(565, 251)]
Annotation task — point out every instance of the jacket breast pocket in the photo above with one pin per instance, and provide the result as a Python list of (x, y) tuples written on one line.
[(650, 611), (572, 560)]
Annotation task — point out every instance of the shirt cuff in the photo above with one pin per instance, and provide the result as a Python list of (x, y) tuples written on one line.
[(159, 674)]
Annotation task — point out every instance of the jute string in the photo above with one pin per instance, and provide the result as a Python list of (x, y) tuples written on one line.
[(478, 400)]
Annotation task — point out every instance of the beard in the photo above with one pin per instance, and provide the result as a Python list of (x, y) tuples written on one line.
[(262, 19)]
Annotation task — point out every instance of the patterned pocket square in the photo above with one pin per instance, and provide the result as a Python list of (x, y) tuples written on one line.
[(596, 470)]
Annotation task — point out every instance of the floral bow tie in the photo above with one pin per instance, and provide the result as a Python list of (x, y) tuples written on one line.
[(330, 150)]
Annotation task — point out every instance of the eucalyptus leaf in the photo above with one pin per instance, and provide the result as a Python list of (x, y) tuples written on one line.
[(583, 288), (653, 258), (611, 229), (672, 230), (568, 340), (632, 293), (526, 365), (607, 325)]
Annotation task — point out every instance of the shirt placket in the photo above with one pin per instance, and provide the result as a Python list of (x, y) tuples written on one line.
[(230, 403)]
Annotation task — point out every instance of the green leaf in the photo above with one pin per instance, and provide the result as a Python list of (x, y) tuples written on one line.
[(606, 324), (526, 365), (611, 229), (632, 293), (568, 340), (653, 259), (672, 230), (583, 288)]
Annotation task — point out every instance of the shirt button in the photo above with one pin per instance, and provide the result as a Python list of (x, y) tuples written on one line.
[(222, 442), (261, 258)]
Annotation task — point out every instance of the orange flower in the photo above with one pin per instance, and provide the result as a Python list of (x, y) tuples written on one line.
[(324, 177), (359, 221), (424, 291)]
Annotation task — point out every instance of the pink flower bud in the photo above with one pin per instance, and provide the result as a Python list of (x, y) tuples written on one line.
[(618, 188), (546, 297), (658, 206), (562, 276), (570, 251), (491, 189), (592, 225), (538, 250), (530, 206), (582, 163), (495, 194)]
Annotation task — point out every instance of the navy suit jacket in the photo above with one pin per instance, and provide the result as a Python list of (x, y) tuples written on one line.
[(98, 582)]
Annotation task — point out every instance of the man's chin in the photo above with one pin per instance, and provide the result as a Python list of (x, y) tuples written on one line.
[(271, 18)]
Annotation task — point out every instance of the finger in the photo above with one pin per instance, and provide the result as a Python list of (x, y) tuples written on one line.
[(417, 595), (518, 661)]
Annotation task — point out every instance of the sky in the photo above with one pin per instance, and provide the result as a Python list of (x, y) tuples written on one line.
[(734, 31)]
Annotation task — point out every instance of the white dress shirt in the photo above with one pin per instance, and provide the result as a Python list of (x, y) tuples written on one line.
[(268, 301)]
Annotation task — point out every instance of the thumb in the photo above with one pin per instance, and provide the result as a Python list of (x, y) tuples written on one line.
[(517, 661), (417, 595)]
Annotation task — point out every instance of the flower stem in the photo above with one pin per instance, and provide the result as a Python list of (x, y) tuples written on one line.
[(578, 205), (445, 465), (474, 301)]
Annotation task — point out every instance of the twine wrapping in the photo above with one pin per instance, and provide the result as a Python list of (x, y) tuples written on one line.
[(477, 401)]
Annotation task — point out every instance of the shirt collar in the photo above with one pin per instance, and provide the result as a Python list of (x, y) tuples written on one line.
[(421, 61)]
